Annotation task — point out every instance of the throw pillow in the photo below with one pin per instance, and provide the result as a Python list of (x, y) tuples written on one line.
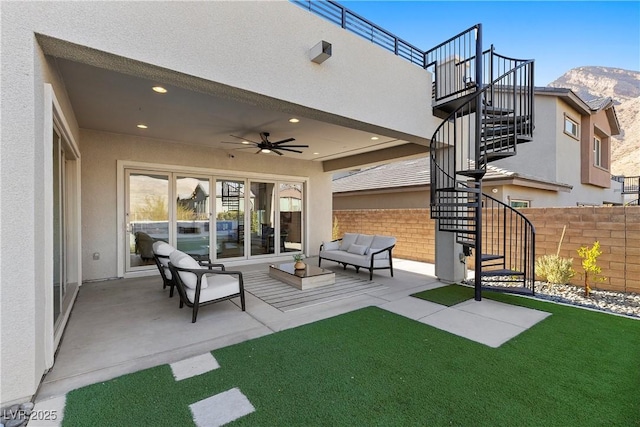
[(330, 246), (347, 240), (357, 249)]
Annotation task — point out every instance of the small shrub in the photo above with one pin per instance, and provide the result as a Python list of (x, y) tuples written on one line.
[(555, 269), (335, 231), (590, 265)]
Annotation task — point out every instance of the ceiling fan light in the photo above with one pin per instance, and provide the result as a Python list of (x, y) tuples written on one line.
[(265, 150)]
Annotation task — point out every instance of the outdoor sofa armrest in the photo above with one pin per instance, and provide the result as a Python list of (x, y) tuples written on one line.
[(390, 248)]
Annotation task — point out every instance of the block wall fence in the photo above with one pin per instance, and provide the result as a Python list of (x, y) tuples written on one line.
[(616, 228)]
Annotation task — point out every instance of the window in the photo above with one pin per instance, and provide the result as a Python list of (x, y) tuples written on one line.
[(519, 203), (571, 127), (597, 151)]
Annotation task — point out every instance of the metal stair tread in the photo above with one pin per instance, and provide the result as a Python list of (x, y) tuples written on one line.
[(491, 257), (501, 272), (520, 290)]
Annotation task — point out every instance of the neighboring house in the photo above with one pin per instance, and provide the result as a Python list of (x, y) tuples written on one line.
[(567, 164), (111, 111), (572, 146)]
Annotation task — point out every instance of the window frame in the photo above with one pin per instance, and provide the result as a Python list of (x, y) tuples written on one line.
[(568, 119), (527, 203), (597, 151)]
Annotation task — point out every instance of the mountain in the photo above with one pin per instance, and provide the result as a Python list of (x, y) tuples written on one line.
[(623, 86)]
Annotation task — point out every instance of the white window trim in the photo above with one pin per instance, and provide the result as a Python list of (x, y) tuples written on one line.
[(54, 116), (597, 151), (575, 122), (247, 176)]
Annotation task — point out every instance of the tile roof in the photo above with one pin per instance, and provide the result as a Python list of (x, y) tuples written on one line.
[(410, 173), (598, 104)]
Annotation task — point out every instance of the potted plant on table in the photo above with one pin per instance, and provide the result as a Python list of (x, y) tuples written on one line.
[(299, 265)]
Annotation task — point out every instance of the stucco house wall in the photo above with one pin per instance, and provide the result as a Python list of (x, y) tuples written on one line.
[(102, 150), (224, 43)]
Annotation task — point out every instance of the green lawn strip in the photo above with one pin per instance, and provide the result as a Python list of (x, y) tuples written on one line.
[(447, 295), (372, 367)]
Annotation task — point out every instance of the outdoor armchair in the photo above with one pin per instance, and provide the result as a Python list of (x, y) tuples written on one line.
[(161, 252), (201, 285)]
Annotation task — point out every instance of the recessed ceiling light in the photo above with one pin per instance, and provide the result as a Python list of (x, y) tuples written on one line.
[(141, 126), (374, 138), (245, 142), (316, 153), (294, 120), (159, 89)]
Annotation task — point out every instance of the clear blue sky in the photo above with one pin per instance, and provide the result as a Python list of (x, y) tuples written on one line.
[(558, 35)]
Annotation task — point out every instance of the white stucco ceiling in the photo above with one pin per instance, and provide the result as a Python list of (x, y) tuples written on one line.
[(111, 101)]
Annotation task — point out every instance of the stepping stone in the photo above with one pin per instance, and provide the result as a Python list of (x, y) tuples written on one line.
[(193, 366), (221, 409)]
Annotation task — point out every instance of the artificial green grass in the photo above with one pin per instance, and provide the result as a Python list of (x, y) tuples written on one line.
[(447, 295), (375, 368)]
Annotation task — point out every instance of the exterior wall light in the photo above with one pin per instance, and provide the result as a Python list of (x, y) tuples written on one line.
[(320, 52)]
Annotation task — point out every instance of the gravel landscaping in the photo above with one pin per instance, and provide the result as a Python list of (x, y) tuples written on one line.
[(625, 303), (615, 302)]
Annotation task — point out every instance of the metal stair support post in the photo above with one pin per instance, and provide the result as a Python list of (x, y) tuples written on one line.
[(479, 161)]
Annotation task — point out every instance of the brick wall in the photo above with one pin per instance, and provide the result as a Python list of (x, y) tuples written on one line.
[(616, 228), (413, 228)]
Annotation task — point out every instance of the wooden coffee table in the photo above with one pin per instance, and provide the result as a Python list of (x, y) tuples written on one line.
[(310, 277)]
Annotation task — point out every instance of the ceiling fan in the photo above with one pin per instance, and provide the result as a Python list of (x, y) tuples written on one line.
[(266, 146)]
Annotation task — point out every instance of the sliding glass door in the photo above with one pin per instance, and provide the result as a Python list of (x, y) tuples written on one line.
[(59, 241), (178, 208), (290, 195), (230, 218), (192, 215), (262, 213), (147, 216)]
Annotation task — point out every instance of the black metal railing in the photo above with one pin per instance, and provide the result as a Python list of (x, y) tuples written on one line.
[(453, 64), (454, 151), (508, 245), (631, 185), (351, 21)]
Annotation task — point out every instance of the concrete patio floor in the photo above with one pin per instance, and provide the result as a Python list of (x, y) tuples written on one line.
[(122, 326)]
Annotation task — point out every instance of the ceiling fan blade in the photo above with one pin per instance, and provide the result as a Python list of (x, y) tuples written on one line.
[(284, 140), (264, 137), (289, 149), (276, 151), (295, 146), (244, 139)]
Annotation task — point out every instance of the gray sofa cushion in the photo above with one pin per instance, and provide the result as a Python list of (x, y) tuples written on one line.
[(364, 240), (347, 240), (357, 249), (330, 246)]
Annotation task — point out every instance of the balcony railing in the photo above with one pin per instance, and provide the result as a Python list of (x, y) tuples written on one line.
[(351, 21)]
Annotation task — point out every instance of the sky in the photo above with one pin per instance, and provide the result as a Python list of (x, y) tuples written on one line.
[(558, 35)]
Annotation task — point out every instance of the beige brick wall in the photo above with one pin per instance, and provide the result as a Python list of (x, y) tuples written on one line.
[(616, 228), (413, 228)]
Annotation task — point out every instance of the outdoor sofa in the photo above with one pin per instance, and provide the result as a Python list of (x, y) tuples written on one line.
[(360, 251)]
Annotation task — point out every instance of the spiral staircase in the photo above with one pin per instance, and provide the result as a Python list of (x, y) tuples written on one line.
[(486, 103)]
